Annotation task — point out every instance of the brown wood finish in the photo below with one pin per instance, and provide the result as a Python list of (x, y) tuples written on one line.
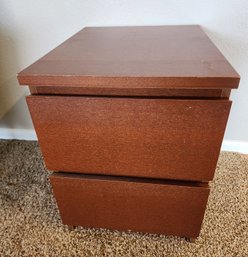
[(134, 57), (33, 90), (130, 204), (151, 92), (225, 93), (147, 103), (143, 137)]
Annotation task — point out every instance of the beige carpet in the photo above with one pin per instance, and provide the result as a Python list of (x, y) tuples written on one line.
[(30, 224)]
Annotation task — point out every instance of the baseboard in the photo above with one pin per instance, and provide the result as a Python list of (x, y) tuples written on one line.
[(29, 134), (22, 134), (235, 146)]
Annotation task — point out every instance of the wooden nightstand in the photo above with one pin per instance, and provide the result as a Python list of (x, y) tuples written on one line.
[(131, 119)]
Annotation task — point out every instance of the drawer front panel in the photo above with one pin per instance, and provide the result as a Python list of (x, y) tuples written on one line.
[(130, 204), (142, 137)]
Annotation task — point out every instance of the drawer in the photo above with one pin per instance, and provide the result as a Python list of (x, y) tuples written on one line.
[(144, 205), (140, 137)]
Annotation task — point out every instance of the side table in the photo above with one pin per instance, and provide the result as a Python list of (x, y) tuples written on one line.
[(131, 121)]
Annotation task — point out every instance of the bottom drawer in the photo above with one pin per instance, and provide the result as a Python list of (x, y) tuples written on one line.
[(144, 205)]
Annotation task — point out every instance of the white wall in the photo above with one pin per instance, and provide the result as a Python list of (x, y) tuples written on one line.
[(29, 29)]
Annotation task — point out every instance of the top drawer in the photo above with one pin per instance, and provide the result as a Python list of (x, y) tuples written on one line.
[(142, 137)]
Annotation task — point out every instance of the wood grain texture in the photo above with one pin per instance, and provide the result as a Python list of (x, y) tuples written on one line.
[(151, 92), (140, 137), (130, 204), (134, 57), (225, 93)]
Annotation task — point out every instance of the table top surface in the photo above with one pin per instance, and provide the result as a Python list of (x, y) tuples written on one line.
[(134, 57)]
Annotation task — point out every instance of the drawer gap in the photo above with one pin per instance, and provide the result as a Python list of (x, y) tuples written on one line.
[(134, 97), (166, 93), (133, 179)]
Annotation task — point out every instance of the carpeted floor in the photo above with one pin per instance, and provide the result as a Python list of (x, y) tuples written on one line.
[(30, 224)]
